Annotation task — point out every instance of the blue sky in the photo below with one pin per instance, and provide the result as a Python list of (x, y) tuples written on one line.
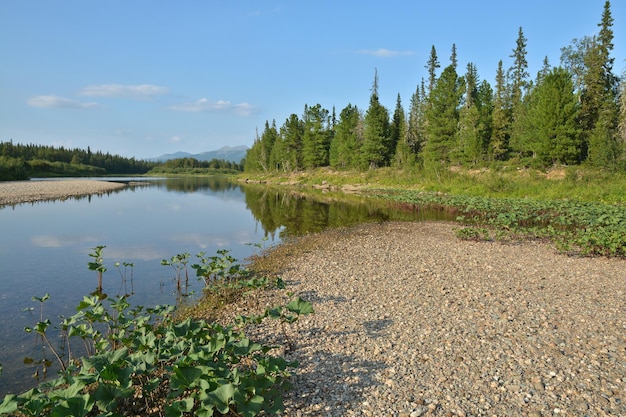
[(144, 78)]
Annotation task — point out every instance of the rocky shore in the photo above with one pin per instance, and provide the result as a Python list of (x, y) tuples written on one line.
[(17, 192), (411, 321)]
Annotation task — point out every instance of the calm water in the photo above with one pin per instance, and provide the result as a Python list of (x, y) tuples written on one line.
[(45, 247)]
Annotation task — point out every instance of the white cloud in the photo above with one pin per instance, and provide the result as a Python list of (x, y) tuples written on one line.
[(385, 53), (176, 139), (141, 91), (56, 102), (206, 105), (244, 109)]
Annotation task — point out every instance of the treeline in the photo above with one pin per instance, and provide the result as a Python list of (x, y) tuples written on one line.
[(574, 113), (194, 166), (19, 161)]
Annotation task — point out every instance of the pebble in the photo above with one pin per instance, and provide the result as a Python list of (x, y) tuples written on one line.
[(411, 321), (17, 192)]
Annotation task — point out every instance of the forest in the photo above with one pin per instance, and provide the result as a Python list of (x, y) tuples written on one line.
[(18, 162), (570, 114)]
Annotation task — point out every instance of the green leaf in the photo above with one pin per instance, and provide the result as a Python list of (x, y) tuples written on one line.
[(185, 377), (179, 407), (222, 396), (9, 405), (248, 407), (78, 406), (299, 306)]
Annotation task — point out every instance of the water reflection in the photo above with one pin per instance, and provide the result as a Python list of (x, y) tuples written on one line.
[(44, 246)]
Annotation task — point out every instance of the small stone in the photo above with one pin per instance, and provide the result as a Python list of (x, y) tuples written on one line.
[(419, 412)]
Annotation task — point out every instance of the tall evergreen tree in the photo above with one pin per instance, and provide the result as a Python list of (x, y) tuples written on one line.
[(470, 142), (316, 138), (288, 156), (519, 70), (621, 137), (416, 129), (402, 155), (346, 144), (553, 134), (453, 60), (599, 111), (519, 83), (442, 118), (431, 66), (375, 151), (500, 122)]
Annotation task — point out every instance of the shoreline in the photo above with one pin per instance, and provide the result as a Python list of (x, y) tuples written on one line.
[(19, 192), (410, 321)]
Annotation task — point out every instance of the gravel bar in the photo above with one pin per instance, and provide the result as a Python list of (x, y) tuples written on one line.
[(411, 321), (17, 192)]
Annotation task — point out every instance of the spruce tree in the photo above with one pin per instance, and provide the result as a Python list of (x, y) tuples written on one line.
[(316, 137), (470, 146), (416, 129), (519, 70), (621, 137), (431, 66), (402, 155), (599, 111), (289, 155), (500, 122), (374, 152), (442, 118), (346, 144), (553, 135)]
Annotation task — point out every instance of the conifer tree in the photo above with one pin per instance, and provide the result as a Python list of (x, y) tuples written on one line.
[(431, 66), (470, 144), (553, 134), (621, 137), (519, 70), (442, 118), (599, 111), (453, 60), (288, 156), (416, 129), (346, 144), (375, 152), (316, 137), (500, 122), (402, 155)]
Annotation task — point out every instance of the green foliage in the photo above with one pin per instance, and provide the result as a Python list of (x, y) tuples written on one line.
[(568, 116), (587, 228), (345, 146), (442, 117), (552, 134), (144, 362), (473, 233), (194, 166), (375, 150), (49, 161), (316, 137), (97, 265)]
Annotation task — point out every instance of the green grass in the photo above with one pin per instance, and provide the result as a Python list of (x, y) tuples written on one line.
[(570, 183)]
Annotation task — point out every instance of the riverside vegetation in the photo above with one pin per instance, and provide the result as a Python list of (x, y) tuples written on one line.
[(582, 211), (153, 361)]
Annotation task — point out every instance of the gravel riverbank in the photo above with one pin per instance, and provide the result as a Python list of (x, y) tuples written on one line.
[(17, 192), (411, 321)]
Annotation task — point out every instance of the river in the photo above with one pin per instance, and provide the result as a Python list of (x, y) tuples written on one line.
[(45, 246)]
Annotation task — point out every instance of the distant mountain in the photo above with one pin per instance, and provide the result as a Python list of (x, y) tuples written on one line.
[(226, 153)]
